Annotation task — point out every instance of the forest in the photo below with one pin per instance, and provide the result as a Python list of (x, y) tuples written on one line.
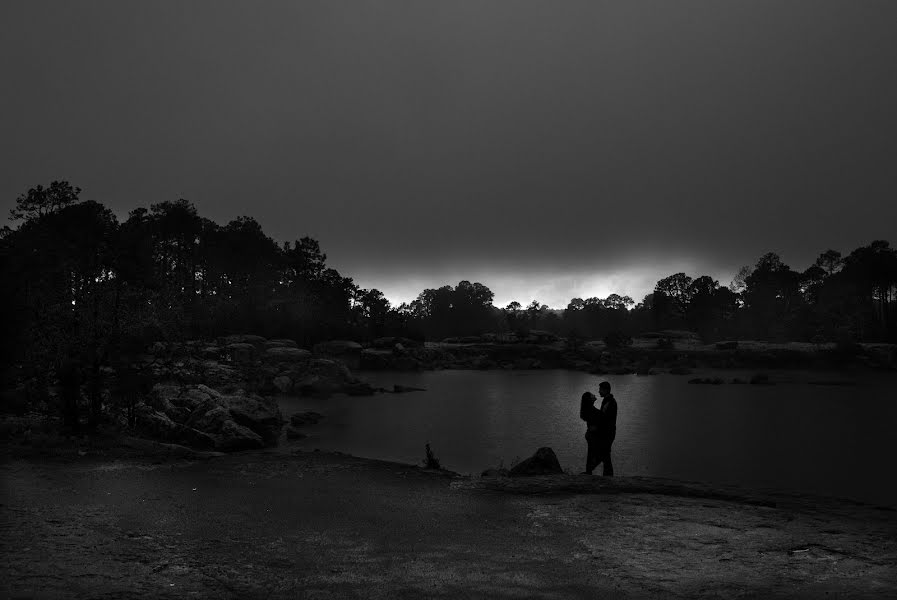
[(83, 286)]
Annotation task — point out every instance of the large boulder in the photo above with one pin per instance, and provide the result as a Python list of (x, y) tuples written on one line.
[(543, 462), (166, 400), (209, 417), (316, 385), (219, 376), (200, 416), (154, 423), (330, 369), (284, 354), (347, 352), (210, 353), (242, 353), (337, 347), (163, 395), (255, 340), (261, 415), (194, 395), (234, 437), (324, 376), (375, 359), (281, 344), (160, 426)]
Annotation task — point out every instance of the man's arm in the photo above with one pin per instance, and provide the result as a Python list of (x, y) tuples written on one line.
[(592, 415)]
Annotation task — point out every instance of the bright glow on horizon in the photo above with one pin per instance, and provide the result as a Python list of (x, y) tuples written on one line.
[(554, 289)]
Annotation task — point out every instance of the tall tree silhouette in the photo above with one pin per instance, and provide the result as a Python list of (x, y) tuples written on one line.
[(772, 297), (39, 201)]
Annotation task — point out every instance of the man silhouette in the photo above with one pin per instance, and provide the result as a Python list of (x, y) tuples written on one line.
[(602, 428)]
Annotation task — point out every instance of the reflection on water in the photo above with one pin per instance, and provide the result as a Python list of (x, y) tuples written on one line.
[(831, 440)]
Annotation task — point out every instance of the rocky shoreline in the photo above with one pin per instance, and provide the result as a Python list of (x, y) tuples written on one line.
[(646, 356), (220, 395), (209, 395)]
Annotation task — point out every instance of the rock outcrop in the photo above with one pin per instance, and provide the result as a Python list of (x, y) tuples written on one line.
[(255, 340), (285, 354), (483, 355), (281, 343), (242, 353), (252, 363), (345, 351), (201, 417), (543, 462)]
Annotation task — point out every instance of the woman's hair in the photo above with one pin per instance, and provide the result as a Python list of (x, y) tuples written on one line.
[(586, 396)]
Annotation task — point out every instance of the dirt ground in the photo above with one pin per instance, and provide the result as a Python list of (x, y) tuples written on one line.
[(315, 525)]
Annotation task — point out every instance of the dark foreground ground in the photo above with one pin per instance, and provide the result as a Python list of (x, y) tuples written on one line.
[(269, 525)]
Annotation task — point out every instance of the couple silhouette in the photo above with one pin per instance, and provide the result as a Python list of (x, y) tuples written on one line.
[(601, 428)]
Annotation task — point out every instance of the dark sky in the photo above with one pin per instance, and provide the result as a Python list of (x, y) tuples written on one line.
[(546, 149)]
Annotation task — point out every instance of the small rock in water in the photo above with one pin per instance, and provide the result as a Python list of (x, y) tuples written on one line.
[(401, 389), (306, 418), (294, 434)]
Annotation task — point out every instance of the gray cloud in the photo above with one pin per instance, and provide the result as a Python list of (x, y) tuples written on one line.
[(527, 145)]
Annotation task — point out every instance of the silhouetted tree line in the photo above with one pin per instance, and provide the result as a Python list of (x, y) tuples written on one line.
[(842, 299), (84, 289), (83, 286)]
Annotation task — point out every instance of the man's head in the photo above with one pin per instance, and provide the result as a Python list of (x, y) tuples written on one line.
[(604, 388)]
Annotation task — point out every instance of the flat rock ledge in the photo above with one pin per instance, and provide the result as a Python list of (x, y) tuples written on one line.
[(500, 481), (270, 525)]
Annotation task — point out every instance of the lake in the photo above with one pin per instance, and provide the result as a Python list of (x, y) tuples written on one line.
[(833, 440)]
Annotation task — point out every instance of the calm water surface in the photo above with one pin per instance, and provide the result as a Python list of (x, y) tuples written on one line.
[(824, 439)]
